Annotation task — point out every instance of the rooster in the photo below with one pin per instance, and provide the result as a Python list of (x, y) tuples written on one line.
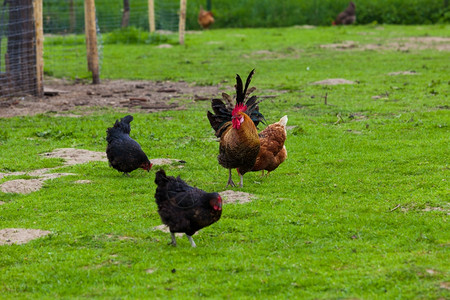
[(205, 18), (272, 151), (236, 128), (125, 154), (348, 16), (184, 208)]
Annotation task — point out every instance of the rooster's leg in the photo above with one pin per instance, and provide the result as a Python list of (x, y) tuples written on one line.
[(191, 240), (126, 174), (230, 180), (174, 241)]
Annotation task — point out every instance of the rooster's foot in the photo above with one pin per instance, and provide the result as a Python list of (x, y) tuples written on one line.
[(230, 180)]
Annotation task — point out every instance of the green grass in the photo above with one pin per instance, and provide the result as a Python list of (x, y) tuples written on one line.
[(247, 13), (321, 225)]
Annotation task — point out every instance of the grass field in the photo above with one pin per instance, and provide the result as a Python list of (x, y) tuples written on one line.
[(359, 209)]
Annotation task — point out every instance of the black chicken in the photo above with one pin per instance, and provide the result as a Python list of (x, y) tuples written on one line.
[(184, 208), (125, 154)]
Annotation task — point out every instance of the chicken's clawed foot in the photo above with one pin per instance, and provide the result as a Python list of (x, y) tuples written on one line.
[(174, 241), (230, 180)]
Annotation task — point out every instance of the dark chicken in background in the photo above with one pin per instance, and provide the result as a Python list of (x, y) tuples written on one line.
[(184, 208), (272, 151), (236, 128), (348, 16), (125, 154)]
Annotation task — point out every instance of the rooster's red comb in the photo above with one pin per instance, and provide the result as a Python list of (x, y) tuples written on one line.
[(239, 108)]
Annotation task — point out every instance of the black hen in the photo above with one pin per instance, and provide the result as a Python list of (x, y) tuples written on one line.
[(125, 154), (184, 208)]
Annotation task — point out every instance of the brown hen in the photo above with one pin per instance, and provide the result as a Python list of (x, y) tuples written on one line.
[(348, 16), (272, 151), (205, 18)]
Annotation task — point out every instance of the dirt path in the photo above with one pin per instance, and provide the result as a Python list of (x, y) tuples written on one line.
[(62, 96)]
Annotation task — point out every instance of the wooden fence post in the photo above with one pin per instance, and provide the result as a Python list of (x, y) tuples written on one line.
[(91, 40), (72, 17), (151, 15), (182, 23), (21, 49), (39, 28)]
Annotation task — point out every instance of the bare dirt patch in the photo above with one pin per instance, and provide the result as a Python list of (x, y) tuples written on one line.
[(289, 52), (82, 181), (398, 44), (71, 156), (340, 46), (230, 196), (165, 228), (9, 236), (21, 186), (445, 285), (130, 96), (403, 73), (305, 26), (1, 202), (165, 161), (334, 81), (74, 156)]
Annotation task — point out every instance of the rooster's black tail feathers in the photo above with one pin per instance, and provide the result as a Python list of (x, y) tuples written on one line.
[(223, 108)]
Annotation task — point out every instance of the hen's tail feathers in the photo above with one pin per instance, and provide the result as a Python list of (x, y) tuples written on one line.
[(283, 121), (120, 127), (161, 177)]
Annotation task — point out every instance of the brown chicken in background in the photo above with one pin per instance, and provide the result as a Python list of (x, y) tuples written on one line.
[(205, 18), (272, 151), (236, 128), (184, 208), (348, 16)]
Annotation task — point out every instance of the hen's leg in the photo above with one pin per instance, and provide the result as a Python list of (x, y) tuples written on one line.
[(191, 240), (126, 174), (241, 182), (174, 241), (262, 173), (230, 180)]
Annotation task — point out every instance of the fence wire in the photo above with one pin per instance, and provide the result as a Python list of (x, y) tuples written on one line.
[(64, 39), (17, 52)]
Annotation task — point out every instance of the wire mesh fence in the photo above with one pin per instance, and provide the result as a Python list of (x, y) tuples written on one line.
[(17, 51), (65, 54)]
